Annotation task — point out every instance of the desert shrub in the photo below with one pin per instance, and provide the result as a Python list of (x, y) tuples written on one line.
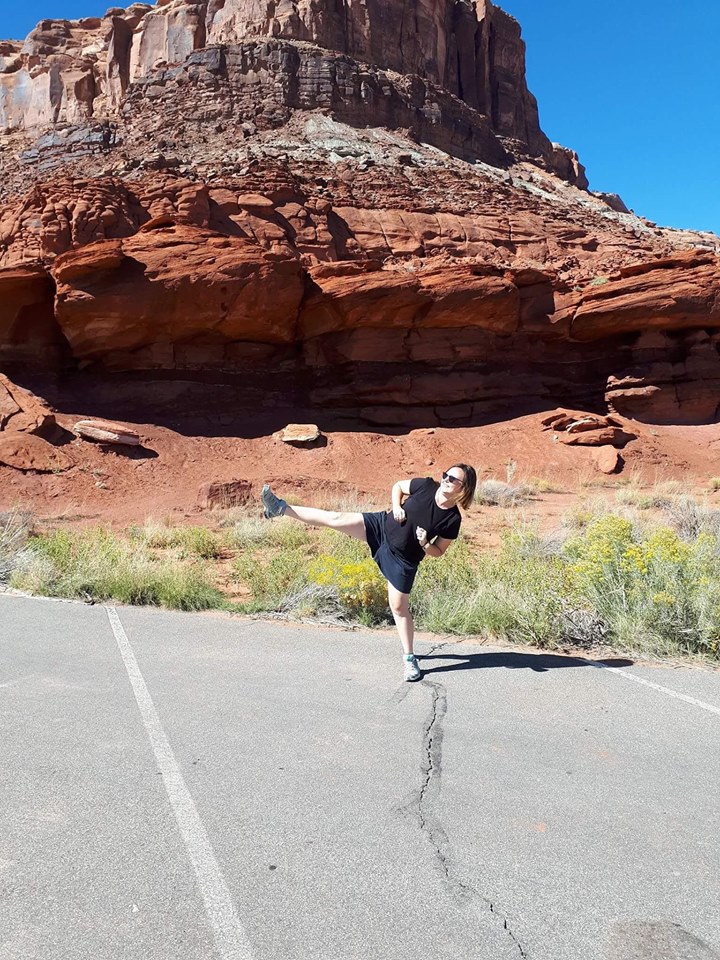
[(643, 501), (15, 526), (250, 531), (271, 577), (97, 565), (498, 493), (691, 519), (189, 541), (656, 591), (516, 594), (359, 585), (542, 485)]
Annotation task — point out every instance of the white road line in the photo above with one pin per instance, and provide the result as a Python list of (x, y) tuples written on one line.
[(230, 937), (656, 686)]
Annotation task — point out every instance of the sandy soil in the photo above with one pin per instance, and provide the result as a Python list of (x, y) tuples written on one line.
[(349, 469)]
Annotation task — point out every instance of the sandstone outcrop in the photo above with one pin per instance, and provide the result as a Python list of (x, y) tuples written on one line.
[(672, 294), (578, 428), (30, 453), (26, 426), (344, 206), (222, 495), (23, 412), (453, 71), (174, 296)]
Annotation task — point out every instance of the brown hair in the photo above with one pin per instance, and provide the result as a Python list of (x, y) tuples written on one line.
[(469, 484)]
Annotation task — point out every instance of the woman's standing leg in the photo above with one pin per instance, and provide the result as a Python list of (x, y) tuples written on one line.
[(400, 609)]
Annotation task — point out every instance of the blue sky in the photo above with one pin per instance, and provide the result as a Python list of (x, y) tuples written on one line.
[(632, 85)]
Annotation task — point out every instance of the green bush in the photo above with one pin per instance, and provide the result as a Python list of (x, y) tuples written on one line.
[(188, 541), (271, 577), (97, 565), (655, 591)]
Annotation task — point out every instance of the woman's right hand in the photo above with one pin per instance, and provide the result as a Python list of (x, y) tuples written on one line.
[(399, 514)]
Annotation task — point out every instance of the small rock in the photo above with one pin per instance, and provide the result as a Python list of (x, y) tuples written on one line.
[(106, 432), (607, 459), (300, 433)]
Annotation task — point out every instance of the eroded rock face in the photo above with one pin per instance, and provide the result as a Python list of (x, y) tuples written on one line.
[(348, 206), (453, 73), (29, 333), (670, 294), (26, 426), (403, 315), (473, 50), (173, 297)]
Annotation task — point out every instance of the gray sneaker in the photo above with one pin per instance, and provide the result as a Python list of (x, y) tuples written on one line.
[(273, 506), (412, 670)]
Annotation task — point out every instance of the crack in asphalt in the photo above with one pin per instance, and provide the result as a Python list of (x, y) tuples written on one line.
[(421, 804)]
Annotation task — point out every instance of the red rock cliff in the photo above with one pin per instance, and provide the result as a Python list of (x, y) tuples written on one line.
[(348, 206)]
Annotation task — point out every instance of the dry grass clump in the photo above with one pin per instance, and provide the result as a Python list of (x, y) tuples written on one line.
[(15, 528), (497, 493), (188, 541)]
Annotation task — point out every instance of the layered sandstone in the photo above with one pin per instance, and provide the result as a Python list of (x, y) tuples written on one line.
[(453, 73), (342, 207)]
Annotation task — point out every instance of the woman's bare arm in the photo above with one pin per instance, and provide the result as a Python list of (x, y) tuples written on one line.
[(436, 549), (400, 490)]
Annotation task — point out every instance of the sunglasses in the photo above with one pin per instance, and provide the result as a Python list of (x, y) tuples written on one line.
[(451, 478)]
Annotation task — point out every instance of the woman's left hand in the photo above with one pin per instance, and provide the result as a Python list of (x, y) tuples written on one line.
[(421, 535)]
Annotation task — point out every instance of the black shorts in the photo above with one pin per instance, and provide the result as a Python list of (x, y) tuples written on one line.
[(396, 571)]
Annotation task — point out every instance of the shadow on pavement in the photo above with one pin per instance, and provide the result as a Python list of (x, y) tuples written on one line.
[(540, 662)]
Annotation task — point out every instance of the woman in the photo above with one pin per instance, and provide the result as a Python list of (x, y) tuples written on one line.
[(423, 522)]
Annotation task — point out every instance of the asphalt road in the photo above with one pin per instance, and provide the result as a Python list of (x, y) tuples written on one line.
[(184, 787)]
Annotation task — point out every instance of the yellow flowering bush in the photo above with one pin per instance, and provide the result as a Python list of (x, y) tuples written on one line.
[(653, 586), (360, 588)]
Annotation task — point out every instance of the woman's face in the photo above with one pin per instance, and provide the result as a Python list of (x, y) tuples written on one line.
[(452, 482)]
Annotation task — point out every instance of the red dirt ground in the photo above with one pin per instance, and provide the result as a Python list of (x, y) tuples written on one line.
[(162, 479)]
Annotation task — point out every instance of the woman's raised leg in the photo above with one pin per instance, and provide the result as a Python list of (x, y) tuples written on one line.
[(352, 524)]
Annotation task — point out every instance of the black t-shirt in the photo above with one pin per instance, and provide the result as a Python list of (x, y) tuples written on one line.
[(421, 510)]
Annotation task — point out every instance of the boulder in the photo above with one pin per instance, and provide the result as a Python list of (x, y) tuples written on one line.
[(300, 433), (30, 453), (22, 412), (106, 432), (607, 459)]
